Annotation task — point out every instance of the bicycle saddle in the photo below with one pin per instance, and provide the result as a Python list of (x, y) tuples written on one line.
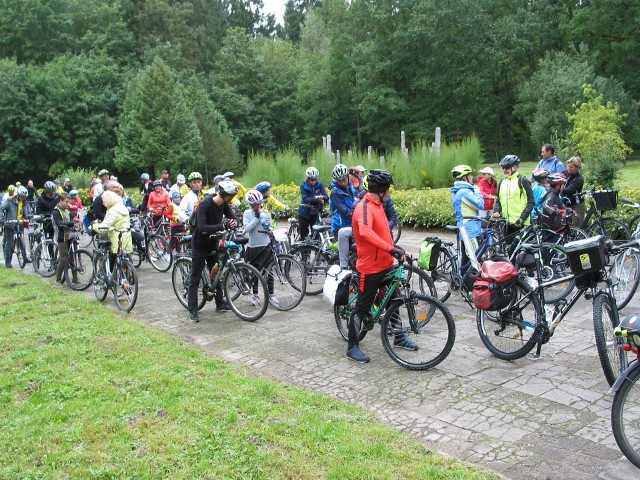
[(321, 228), (452, 228)]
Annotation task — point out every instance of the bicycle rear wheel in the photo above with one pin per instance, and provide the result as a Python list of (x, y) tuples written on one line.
[(509, 334), (78, 271), (159, 253), (419, 281), (125, 290), (612, 358), (289, 282), (316, 264), (342, 313), (612, 229), (100, 287), (625, 275), (555, 265), (45, 258), (625, 416), (444, 275), (417, 332), (239, 284), (18, 246)]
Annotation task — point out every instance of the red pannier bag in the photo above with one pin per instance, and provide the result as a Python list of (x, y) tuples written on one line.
[(495, 287)]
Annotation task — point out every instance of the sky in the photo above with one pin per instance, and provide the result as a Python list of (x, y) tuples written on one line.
[(276, 7)]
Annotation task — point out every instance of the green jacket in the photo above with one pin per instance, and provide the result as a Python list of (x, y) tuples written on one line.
[(515, 199), (117, 217)]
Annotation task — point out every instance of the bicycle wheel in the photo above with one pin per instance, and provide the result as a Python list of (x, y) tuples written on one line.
[(136, 257), (100, 287), (84, 239), (342, 313), (159, 253), (445, 275), (246, 291), (396, 231), (555, 265), (571, 234), (612, 358), (625, 416), (294, 233), (18, 246), (125, 289), (624, 272), (316, 264), (612, 229), (180, 281), (633, 224), (78, 271), (510, 333), (289, 282), (418, 332), (45, 258), (419, 281)]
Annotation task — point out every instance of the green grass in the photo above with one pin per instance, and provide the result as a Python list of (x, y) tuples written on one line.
[(86, 392)]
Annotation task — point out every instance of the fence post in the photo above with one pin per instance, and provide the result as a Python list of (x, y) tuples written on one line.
[(338, 156), (403, 146), (369, 153), (436, 144), (324, 143), (329, 144)]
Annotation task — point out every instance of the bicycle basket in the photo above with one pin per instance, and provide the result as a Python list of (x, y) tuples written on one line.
[(606, 200), (586, 255)]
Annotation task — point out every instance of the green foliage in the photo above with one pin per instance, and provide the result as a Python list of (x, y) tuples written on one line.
[(424, 208), (80, 178), (597, 137)]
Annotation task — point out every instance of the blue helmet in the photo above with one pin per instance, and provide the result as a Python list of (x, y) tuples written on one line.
[(262, 187)]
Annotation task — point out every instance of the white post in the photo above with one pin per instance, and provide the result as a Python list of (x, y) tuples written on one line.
[(437, 142), (369, 150), (324, 143), (329, 143), (338, 156), (403, 145)]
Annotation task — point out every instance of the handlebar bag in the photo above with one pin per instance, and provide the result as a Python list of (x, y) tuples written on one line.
[(495, 287)]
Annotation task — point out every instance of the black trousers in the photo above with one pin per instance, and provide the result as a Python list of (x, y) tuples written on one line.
[(304, 224), (198, 260), (367, 288)]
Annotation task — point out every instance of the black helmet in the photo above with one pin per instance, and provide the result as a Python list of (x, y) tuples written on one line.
[(509, 161), (157, 183), (379, 181)]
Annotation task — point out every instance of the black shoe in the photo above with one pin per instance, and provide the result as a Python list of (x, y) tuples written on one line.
[(403, 341), (355, 354), (194, 317), (8, 266), (224, 307)]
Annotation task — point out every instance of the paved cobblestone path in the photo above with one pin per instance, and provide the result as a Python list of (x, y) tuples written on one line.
[(526, 419)]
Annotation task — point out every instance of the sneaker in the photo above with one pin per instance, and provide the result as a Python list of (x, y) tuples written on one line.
[(224, 307), (274, 300), (194, 317), (255, 299), (355, 354), (403, 341), (8, 265)]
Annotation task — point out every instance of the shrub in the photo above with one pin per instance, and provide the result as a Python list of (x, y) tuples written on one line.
[(424, 208), (80, 178)]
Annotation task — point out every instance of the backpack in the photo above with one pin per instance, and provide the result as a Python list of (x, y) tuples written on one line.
[(519, 185), (495, 287), (429, 252)]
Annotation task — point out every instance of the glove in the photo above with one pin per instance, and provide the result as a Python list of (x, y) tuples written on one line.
[(519, 222), (397, 252)]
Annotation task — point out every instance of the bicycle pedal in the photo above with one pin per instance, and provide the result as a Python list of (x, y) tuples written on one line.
[(588, 295)]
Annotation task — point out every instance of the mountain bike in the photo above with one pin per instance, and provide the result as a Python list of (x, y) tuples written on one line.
[(401, 311), (526, 322), (115, 273), (18, 241), (78, 271), (148, 245), (626, 401), (44, 250), (236, 277), (595, 224)]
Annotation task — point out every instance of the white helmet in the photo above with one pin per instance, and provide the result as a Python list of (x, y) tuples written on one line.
[(254, 197), (340, 171), (22, 191), (227, 187), (312, 172), (180, 179)]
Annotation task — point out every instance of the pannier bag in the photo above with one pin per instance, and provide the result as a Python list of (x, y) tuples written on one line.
[(495, 287), (606, 200), (336, 286), (586, 255), (429, 252)]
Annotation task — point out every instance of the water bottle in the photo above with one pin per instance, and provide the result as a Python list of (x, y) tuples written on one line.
[(214, 271)]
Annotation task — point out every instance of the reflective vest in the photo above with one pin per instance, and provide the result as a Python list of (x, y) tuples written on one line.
[(513, 198)]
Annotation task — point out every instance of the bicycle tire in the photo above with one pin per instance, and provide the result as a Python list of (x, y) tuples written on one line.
[(624, 416), (238, 289), (294, 233), (84, 239), (44, 259), (420, 281), (509, 334), (180, 281), (624, 272), (125, 288), (136, 257), (572, 234), (315, 264), (20, 252), (612, 229), (159, 253), (100, 287), (396, 232), (555, 265), (289, 282), (427, 322), (79, 267), (612, 358), (633, 223), (444, 275), (342, 313)]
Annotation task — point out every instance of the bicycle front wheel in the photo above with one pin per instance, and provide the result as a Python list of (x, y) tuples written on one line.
[(125, 290), (19, 247), (612, 358), (45, 258), (625, 416), (180, 281), (445, 275), (246, 291), (289, 282), (396, 231), (509, 333), (625, 275), (78, 271), (159, 253), (418, 332)]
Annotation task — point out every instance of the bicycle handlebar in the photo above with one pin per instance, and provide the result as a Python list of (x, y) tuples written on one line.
[(630, 203)]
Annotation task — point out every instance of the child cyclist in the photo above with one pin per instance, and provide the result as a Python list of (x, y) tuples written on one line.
[(257, 221)]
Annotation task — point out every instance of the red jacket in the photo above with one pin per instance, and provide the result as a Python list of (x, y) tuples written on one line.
[(157, 201), (373, 236), (487, 189)]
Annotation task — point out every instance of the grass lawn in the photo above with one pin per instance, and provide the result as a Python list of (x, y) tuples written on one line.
[(86, 392)]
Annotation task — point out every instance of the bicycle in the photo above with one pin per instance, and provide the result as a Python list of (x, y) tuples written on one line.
[(18, 241), (600, 202), (526, 322), (78, 271), (121, 277), (316, 256), (624, 271), (401, 310), (237, 278), (634, 223), (626, 391), (44, 250), (148, 245)]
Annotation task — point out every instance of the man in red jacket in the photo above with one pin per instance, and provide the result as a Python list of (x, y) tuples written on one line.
[(376, 253)]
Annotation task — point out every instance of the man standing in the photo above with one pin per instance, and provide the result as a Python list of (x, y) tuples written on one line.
[(549, 161), (342, 199), (190, 199), (103, 175), (515, 197), (166, 181), (14, 208), (214, 214), (375, 258)]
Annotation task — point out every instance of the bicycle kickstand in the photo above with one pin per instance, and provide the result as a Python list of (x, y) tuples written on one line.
[(536, 355)]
